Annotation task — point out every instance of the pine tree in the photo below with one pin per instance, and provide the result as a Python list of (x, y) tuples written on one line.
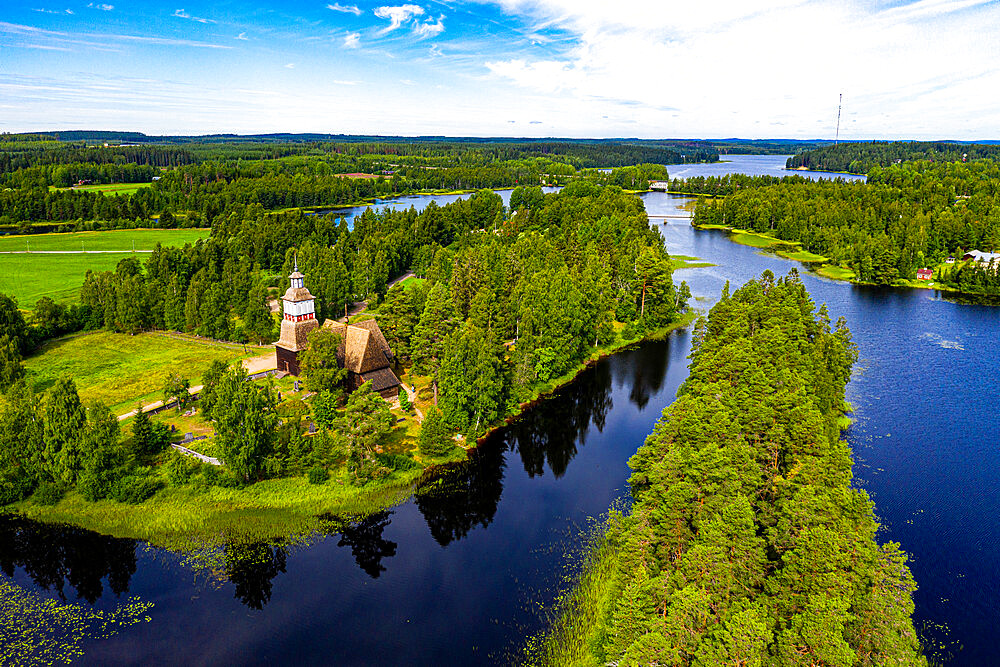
[(436, 322), (435, 437)]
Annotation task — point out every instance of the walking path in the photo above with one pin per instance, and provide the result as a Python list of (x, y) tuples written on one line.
[(193, 391)]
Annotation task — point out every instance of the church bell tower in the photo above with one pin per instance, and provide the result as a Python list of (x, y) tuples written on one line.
[(297, 322)]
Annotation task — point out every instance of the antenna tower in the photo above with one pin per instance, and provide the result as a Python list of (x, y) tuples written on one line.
[(840, 103)]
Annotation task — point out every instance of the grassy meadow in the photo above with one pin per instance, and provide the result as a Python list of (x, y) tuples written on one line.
[(112, 239), (120, 369), (30, 276), (112, 189)]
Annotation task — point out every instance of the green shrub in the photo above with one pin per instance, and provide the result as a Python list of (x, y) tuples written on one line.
[(180, 469), (398, 462), (316, 475), (210, 474), (133, 489), (48, 493), (14, 487), (227, 479)]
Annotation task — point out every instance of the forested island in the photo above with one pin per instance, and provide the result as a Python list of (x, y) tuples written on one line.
[(906, 217), (745, 543)]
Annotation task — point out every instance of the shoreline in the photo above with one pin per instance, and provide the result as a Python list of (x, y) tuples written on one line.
[(826, 269), (187, 518)]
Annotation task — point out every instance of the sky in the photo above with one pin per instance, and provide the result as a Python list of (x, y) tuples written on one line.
[(925, 69)]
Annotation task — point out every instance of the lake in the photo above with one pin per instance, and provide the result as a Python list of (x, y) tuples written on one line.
[(460, 574)]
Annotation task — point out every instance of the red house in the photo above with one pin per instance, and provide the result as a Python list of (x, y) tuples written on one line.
[(925, 274)]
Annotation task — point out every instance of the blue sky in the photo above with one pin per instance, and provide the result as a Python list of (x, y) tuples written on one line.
[(583, 68)]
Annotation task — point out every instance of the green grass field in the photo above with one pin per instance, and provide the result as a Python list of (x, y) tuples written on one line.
[(114, 239), (59, 277), (120, 369), (29, 277), (112, 189)]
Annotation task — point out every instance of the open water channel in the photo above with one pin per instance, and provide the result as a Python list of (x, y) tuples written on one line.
[(461, 574)]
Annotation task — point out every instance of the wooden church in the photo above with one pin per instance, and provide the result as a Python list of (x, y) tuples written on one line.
[(363, 350)]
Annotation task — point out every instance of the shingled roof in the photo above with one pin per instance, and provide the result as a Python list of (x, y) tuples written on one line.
[(294, 337), (363, 348)]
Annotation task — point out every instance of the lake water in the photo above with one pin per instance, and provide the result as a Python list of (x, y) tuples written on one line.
[(459, 574)]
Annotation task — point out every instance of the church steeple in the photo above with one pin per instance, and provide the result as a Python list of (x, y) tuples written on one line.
[(297, 322)]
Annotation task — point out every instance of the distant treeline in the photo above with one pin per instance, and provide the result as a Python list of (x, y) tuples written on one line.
[(746, 543), (197, 184), (860, 157)]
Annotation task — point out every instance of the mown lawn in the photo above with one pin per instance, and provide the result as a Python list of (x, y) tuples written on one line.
[(30, 277), (119, 369), (113, 239)]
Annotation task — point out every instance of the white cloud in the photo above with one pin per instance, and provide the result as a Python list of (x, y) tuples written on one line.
[(352, 40), (429, 28), (347, 9), (436, 51), (290, 66), (242, 36), (53, 11), (103, 8), (398, 15), (181, 14), (731, 68)]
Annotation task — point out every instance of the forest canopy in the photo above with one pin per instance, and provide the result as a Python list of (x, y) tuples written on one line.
[(746, 543)]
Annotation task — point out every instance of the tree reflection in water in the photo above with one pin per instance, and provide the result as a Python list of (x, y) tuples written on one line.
[(551, 431), (54, 555), (367, 545), (252, 567), (464, 497), (643, 370)]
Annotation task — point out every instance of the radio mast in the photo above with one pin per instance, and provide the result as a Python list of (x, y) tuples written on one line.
[(839, 104)]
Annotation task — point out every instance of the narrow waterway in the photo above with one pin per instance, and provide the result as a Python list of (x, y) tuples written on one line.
[(460, 573)]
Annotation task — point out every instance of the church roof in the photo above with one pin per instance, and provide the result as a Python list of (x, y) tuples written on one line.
[(373, 327), (294, 335), (296, 274), (381, 379), (363, 348)]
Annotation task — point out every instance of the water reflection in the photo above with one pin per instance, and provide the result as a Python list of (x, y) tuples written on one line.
[(367, 545), (252, 567), (465, 497), (644, 371), (56, 555)]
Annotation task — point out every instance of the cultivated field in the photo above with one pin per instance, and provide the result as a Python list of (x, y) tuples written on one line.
[(120, 369), (30, 276), (112, 188), (115, 239)]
